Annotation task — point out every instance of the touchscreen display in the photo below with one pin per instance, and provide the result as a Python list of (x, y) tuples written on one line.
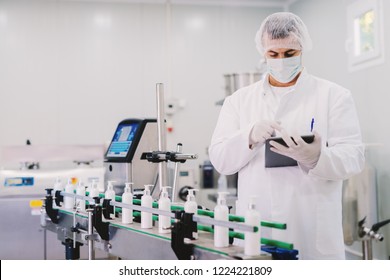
[(122, 141)]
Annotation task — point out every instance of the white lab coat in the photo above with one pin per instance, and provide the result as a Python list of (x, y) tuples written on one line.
[(309, 201)]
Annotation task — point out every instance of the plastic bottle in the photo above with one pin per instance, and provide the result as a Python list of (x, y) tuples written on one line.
[(94, 191), (222, 183), (164, 203), (127, 198), (80, 190), (252, 239), (69, 201), (146, 201), (57, 187), (190, 206), (110, 194), (221, 213)]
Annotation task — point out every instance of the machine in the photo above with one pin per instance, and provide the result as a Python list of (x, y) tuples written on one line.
[(21, 237), (94, 229), (132, 157), (123, 161)]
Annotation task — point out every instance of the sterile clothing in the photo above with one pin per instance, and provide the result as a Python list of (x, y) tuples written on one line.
[(308, 201)]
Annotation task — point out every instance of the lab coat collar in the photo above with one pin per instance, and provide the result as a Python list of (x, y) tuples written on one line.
[(267, 87)]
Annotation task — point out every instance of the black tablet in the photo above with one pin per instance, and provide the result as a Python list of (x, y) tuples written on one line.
[(273, 159)]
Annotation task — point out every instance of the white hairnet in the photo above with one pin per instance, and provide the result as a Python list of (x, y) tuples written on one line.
[(282, 30)]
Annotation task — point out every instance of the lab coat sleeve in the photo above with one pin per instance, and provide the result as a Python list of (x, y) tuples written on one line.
[(342, 153), (229, 150)]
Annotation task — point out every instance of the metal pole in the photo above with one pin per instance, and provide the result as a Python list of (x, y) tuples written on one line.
[(179, 149), (91, 252), (162, 145), (367, 249), (44, 244)]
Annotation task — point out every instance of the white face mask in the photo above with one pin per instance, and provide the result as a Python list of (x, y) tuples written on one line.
[(284, 70)]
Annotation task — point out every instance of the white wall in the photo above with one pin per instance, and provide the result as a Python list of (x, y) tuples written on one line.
[(71, 70), (327, 24)]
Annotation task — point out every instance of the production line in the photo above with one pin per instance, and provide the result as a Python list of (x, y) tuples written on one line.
[(94, 228), (130, 222)]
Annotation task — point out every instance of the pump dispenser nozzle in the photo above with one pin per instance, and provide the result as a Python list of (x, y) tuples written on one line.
[(110, 185), (147, 189), (222, 198), (164, 192), (191, 194), (128, 187)]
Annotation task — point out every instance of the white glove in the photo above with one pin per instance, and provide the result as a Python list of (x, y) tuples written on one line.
[(262, 130), (304, 153)]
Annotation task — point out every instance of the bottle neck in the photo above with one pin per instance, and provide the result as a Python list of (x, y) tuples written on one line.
[(221, 201)]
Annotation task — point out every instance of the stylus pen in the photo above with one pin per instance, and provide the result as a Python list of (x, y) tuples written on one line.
[(312, 125)]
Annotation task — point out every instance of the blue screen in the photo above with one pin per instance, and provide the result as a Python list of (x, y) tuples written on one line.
[(122, 141)]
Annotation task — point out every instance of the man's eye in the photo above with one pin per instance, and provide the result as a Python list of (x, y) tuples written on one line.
[(289, 54)]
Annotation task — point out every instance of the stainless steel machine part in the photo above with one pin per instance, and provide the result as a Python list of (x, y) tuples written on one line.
[(162, 145), (175, 176), (139, 172), (91, 250)]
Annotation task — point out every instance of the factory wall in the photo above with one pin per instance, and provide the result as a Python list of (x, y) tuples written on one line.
[(71, 70), (327, 23)]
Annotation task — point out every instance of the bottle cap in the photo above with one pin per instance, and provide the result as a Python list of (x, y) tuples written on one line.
[(128, 187), (191, 194), (164, 192), (147, 189)]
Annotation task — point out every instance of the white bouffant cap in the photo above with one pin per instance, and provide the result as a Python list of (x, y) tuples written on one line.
[(282, 30)]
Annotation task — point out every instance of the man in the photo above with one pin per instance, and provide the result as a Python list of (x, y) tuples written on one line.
[(289, 102)]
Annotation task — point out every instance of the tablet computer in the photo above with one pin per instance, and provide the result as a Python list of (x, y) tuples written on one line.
[(273, 159)]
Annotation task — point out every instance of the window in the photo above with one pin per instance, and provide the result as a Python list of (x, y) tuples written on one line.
[(365, 30)]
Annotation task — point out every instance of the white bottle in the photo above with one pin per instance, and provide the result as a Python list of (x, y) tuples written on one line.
[(164, 203), (222, 183), (80, 190), (57, 187), (69, 201), (127, 198), (221, 213), (94, 191), (147, 201), (110, 194), (252, 239), (190, 206)]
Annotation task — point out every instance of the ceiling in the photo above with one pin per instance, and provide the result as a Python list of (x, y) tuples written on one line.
[(254, 3)]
